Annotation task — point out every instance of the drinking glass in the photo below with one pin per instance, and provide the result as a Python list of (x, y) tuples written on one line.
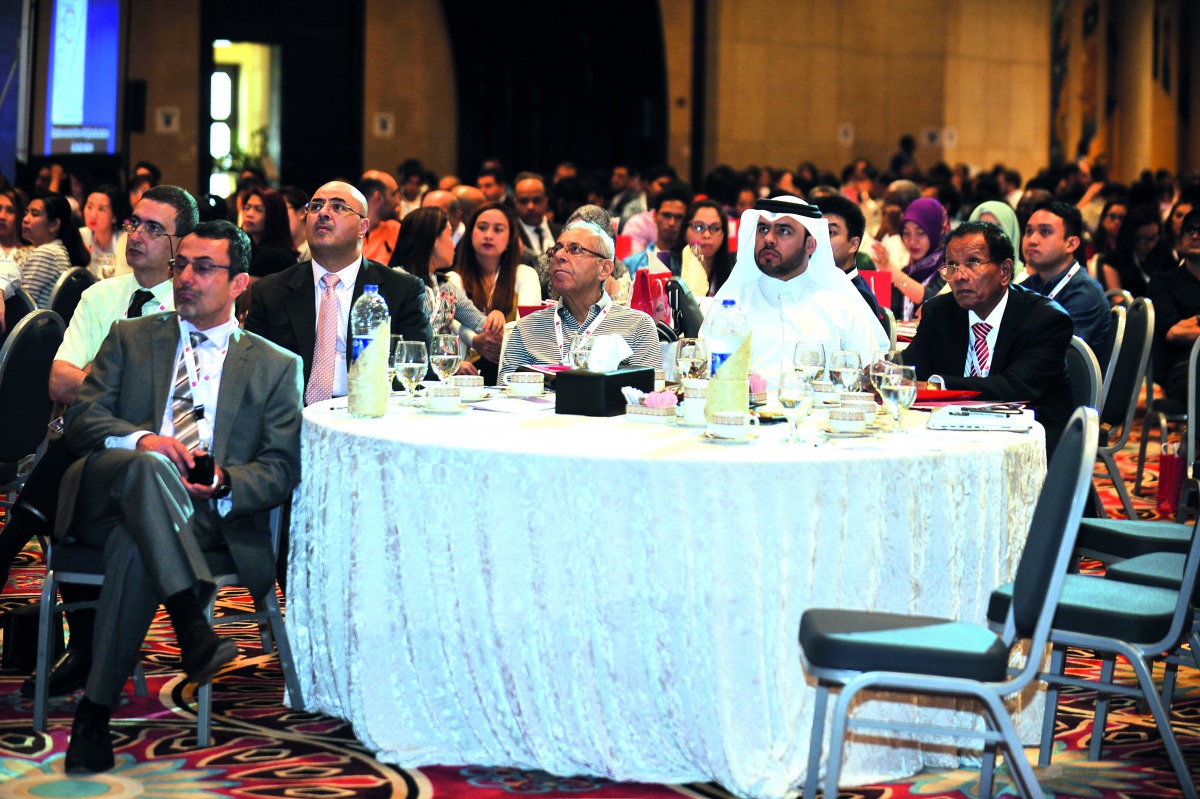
[(845, 367), (581, 351), (809, 359), (391, 363), (795, 395), (410, 363), (882, 363), (898, 390), (447, 354), (691, 358)]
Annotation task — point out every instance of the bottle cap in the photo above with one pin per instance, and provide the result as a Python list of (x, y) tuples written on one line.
[(728, 303), (370, 288)]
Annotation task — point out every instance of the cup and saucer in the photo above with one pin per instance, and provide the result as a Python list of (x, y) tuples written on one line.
[(731, 427)]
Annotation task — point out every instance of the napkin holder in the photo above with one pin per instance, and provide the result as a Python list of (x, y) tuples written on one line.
[(586, 393)]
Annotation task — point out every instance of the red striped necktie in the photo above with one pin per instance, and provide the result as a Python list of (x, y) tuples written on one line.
[(983, 359)]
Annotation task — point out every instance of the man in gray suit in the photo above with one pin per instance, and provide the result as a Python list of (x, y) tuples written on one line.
[(163, 391)]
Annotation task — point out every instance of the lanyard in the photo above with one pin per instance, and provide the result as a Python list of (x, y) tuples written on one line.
[(1054, 292), (564, 357)]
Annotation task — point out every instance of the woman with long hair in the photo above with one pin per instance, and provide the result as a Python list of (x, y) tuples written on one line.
[(104, 210), (424, 248), (56, 245), (12, 211), (265, 220), (706, 229), (1141, 252), (489, 267)]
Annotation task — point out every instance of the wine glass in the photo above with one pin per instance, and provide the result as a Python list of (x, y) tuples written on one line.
[(795, 395), (882, 363), (691, 359), (898, 390), (581, 351), (410, 363), (809, 359), (391, 363), (447, 354), (846, 369)]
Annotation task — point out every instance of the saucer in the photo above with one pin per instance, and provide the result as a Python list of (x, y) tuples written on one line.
[(829, 431), (512, 393), (680, 421), (486, 395), (459, 409), (711, 439)]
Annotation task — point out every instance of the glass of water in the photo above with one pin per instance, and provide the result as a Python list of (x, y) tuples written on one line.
[(845, 367), (898, 390), (448, 352), (410, 361), (795, 395), (809, 359), (691, 358)]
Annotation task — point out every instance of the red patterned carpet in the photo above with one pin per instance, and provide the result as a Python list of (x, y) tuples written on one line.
[(264, 750)]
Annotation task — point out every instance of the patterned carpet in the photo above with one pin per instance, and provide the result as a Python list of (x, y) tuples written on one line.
[(264, 750)]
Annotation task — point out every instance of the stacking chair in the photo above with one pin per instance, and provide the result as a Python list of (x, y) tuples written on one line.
[(1083, 370), (1136, 622), (1119, 297), (16, 308), (1120, 403), (79, 563), (1162, 412), (25, 404), (890, 318), (857, 650), (69, 287), (1112, 348)]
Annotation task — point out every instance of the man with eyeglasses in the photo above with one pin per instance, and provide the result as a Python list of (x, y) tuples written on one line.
[(581, 262), (164, 391), (160, 219), (992, 336), (1052, 239), (1176, 297), (668, 209), (306, 308)]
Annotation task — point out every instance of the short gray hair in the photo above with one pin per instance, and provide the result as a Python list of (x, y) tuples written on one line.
[(606, 242)]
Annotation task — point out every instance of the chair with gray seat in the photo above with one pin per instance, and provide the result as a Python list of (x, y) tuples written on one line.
[(25, 403), (1112, 619), (68, 289), (79, 563), (865, 650)]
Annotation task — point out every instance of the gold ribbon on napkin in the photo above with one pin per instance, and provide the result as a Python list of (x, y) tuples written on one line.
[(729, 389), (693, 273)]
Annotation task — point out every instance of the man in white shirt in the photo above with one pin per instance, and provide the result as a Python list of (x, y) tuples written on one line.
[(150, 407), (786, 284)]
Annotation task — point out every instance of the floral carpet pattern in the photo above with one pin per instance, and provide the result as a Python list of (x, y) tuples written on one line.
[(263, 750)]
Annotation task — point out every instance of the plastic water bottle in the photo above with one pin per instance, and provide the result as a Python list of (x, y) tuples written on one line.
[(370, 332), (726, 333)]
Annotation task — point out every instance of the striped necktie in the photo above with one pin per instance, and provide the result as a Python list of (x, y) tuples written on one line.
[(184, 415), (983, 359)]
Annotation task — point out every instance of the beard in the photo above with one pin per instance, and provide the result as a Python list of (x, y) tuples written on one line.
[(781, 267)]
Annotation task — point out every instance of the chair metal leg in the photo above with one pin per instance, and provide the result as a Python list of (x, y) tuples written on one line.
[(46, 614), (987, 772), (287, 664), (1141, 460), (1108, 663), (814, 744), (1058, 656), (837, 737), (1161, 720), (1114, 473), (1170, 670), (1018, 763)]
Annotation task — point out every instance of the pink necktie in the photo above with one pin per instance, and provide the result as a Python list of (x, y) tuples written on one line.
[(983, 358), (320, 380)]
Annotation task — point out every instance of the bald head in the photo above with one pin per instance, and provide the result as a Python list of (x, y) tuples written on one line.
[(445, 201), (469, 198), (382, 193), (336, 228)]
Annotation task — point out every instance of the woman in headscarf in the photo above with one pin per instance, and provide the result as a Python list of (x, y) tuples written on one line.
[(1004, 217), (922, 229)]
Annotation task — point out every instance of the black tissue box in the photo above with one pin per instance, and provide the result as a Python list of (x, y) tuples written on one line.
[(585, 393)]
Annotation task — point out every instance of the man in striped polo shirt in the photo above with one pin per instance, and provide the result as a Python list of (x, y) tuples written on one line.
[(580, 263)]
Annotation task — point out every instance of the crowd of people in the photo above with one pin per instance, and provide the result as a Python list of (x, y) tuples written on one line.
[(234, 313)]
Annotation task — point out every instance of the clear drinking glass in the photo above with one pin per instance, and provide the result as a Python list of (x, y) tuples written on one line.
[(410, 361), (845, 367), (795, 395), (898, 390), (882, 363), (691, 358), (581, 351), (448, 352), (809, 359), (391, 362)]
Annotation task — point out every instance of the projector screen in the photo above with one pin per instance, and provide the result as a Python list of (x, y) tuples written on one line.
[(81, 86)]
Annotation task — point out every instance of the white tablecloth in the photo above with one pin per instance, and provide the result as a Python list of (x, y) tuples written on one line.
[(622, 599)]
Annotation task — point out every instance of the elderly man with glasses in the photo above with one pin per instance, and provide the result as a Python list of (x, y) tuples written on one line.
[(306, 308), (1176, 297), (579, 264), (992, 336)]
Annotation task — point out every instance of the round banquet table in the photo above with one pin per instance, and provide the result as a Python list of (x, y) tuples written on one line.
[(621, 599)]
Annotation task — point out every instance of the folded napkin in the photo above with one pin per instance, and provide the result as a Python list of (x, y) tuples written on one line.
[(607, 352), (729, 388), (693, 273)]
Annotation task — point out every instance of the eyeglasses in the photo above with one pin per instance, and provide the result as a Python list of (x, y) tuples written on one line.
[(572, 249), (1191, 230), (714, 228), (970, 266), (151, 230), (202, 267), (338, 207)]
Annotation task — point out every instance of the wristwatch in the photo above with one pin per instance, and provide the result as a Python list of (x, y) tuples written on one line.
[(223, 488)]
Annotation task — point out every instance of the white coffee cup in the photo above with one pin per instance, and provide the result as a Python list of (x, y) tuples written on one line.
[(470, 386), (525, 384), (732, 425), (693, 411), (443, 398)]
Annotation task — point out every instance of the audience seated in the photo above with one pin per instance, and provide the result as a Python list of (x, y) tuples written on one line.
[(846, 226), (382, 225), (56, 245), (668, 210), (1141, 252), (266, 221), (1176, 297), (706, 231), (104, 211)]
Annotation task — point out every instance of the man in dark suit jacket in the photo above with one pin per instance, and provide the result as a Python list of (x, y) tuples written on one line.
[(134, 493), (1023, 358), (284, 306), (538, 234)]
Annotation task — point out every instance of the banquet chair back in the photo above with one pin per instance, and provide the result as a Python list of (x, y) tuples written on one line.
[(866, 650), (16, 308), (25, 403), (1119, 297), (69, 287), (889, 318), (1120, 402), (1112, 346), (685, 310), (1083, 370), (1190, 492)]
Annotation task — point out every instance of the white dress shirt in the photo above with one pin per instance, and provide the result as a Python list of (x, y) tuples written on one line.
[(993, 319)]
